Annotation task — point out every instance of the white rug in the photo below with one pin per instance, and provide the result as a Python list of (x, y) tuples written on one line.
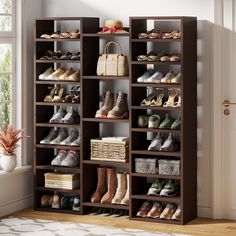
[(28, 227)]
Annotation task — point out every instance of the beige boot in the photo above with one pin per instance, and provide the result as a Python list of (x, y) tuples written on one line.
[(111, 185), (125, 200), (120, 110), (121, 188), (101, 185), (107, 105)]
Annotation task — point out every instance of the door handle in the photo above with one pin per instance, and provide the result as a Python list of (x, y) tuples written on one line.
[(227, 103)]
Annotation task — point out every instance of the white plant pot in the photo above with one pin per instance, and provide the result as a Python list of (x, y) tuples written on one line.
[(8, 163)]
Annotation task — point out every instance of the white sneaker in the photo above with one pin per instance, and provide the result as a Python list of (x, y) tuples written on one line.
[(71, 138), (56, 74), (63, 134), (155, 78), (58, 159), (76, 142), (57, 117), (46, 73), (71, 160), (52, 135)]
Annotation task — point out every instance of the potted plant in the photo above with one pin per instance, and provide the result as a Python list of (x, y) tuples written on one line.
[(8, 144)]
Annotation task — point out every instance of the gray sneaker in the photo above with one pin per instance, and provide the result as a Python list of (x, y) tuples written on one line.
[(59, 158), (168, 145), (52, 135), (76, 142), (156, 143), (71, 138), (71, 160), (63, 134), (58, 116), (71, 117)]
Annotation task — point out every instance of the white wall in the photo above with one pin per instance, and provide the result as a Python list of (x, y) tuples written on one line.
[(204, 11)]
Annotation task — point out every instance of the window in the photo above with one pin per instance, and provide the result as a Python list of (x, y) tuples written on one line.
[(7, 61)]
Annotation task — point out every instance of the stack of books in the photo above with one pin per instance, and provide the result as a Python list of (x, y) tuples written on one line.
[(61, 180)]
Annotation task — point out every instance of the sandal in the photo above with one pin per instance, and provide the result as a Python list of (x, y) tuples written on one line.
[(167, 35), (58, 97), (176, 34), (154, 34), (49, 97), (171, 99), (149, 98), (178, 103), (159, 98)]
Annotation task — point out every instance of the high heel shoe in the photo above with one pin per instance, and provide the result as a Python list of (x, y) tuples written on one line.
[(58, 97), (147, 101), (171, 99), (49, 97), (159, 98), (178, 103)]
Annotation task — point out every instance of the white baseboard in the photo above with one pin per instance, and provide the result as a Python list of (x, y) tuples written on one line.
[(16, 205), (204, 211)]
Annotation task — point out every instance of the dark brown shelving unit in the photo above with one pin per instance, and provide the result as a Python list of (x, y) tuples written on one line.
[(187, 134), (43, 111)]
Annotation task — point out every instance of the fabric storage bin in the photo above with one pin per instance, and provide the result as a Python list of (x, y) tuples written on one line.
[(109, 149), (146, 165), (169, 167)]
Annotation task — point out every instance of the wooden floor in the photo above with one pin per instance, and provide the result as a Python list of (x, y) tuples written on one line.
[(200, 226)]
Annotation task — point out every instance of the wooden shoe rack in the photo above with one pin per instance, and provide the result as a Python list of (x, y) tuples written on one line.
[(90, 44)]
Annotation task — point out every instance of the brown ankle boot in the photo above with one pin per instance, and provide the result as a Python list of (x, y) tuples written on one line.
[(111, 185), (107, 105), (101, 185), (120, 110)]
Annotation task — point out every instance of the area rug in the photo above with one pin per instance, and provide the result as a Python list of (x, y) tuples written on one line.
[(35, 227)]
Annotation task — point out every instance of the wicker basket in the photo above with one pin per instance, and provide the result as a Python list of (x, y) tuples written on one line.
[(109, 150)]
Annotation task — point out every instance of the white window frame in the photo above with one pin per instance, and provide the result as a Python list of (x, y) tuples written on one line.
[(9, 37)]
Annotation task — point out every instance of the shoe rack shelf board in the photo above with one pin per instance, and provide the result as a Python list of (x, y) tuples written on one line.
[(90, 127), (187, 111), (44, 153)]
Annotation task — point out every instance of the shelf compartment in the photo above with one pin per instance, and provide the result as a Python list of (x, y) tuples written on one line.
[(57, 146), (57, 125), (57, 82), (156, 40), (106, 163), (155, 85), (72, 191), (106, 120), (156, 220), (156, 62), (56, 104), (58, 168), (156, 198), (156, 176), (155, 153), (106, 35), (57, 40), (64, 211), (56, 61), (95, 77), (174, 131), (110, 206), (156, 108)]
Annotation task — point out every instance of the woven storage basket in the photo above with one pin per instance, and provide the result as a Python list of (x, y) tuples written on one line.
[(109, 150)]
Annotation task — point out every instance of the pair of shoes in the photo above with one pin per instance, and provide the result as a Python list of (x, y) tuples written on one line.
[(157, 34), (171, 212), (64, 158), (60, 74), (73, 96), (171, 78), (166, 145), (55, 94), (151, 56), (173, 94), (174, 34), (61, 137), (111, 109), (59, 55), (61, 35), (168, 188), (173, 57), (150, 76), (67, 115), (109, 212), (155, 97), (106, 191)]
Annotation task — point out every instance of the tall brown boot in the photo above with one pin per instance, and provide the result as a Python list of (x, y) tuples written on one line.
[(111, 184), (101, 185)]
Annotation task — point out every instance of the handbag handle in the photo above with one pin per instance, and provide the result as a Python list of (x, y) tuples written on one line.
[(118, 47)]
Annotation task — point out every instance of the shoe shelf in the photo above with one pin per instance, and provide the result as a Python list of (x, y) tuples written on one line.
[(106, 163), (57, 125), (63, 211), (58, 168), (57, 61), (106, 120), (156, 176), (61, 190), (156, 198), (56, 104), (57, 146), (186, 46), (106, 77), (57, 40), (57, 82), (174, 131), (103, 205)]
